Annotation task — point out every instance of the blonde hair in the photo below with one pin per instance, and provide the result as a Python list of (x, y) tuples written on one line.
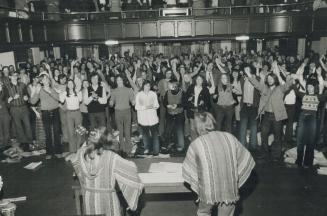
[(204, 122)]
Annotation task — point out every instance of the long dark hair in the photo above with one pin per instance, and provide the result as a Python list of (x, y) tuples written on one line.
[(98, 144), (145, 82), (274, 76), (74, 88)]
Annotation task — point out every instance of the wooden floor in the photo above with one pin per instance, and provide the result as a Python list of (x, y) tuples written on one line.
[(273, 191)]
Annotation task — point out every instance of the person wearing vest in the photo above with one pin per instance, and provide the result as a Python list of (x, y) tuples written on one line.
[(225, 98), (249, 111), (173, 101), (95, 99), (307, 125), (273, 109), (17, 99)]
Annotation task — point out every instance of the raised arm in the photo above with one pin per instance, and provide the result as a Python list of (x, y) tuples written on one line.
[(258, 85)]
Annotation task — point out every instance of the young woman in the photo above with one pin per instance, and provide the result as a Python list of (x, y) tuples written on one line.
[(225, 100), (83, 107), (49, 100), (216, 166), (72, 97), (197, 99), (146, 105), (102, 173), (307, 125)]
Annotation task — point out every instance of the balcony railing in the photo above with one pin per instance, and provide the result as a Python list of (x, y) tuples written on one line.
[(162, 12)]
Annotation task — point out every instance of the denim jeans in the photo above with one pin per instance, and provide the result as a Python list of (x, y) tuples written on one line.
[(290, 109), (124, 124), (248, 120), (20, 117), (97, 120), (269, 122), (64, 128), (306, 134), (51, 123), (175, 126), (74, 119), (224, 117), (150, 136), (4, 129)]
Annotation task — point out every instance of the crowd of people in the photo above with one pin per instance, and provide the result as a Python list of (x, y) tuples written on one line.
[(262, 92)]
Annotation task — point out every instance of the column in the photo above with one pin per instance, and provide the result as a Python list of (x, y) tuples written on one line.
[(301, 42), (79, 52), (206, 48), (323, 46), (194, 47), (56, 52), (95, 51), (35, 51), (244, 47), (160, 48), (259, 45)]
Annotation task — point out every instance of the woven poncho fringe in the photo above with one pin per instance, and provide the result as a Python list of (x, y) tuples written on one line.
[(216, 166), (100, 196)]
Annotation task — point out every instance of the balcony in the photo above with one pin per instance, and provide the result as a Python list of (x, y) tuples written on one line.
[(166, 24)]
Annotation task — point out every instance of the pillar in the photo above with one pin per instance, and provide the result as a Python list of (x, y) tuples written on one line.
[(301, 42), (206, 48), (226, 45), (259, 45), (243, 46), (160, 48), (56, 52), (95, 52), (79, 52), (36, 57)]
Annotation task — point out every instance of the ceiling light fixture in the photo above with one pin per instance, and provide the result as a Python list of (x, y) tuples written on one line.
[(242, 38), (111, 42)]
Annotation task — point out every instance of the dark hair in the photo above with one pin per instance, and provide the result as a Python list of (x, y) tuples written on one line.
[(274, 76), (145, 82), (314, 83), (74, 88), (61, 76), (204, 83), (100, 144)]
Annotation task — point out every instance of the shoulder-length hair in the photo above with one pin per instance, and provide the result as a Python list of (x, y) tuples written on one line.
[(74, 88), (274, 76), (145, 82), (204, 122)]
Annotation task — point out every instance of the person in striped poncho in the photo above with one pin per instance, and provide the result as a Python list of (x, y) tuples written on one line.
[(215, 167), (103, 175)]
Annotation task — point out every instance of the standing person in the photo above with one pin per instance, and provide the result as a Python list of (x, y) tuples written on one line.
[(307, 126), (273, 109), (225, 98), (174, 103), (49, 100), (103, 174), (95, 98), (72, 97), (249, 112), (146, 105), (197, 100), (83, 107), (4, 118), (162, 89), (122, 98), (17, 100), (216, 166)]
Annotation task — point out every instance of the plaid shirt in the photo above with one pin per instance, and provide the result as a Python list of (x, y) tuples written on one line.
[(21, 90)]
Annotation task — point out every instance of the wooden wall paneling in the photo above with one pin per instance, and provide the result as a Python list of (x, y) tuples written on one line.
[(257, 24), (113, 30), (167, 29), (240, 25), (184, 28), (56, 32), (25, 28), (38, 32), (97, 31), (301, 23), (13, 32), (3, 38), (278, 24), (220, 26), (132, 30), (202, 27), (149, 29), (77, 32)]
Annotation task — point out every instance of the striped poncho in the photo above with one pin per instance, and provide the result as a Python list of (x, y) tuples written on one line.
[(99, 189), (216, 166)]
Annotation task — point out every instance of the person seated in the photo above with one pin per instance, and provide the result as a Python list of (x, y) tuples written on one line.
[(216, 166), (104, 175)]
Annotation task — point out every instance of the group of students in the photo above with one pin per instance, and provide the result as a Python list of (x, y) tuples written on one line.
[(264, 91)]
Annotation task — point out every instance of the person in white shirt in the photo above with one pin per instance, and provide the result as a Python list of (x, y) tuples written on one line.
[(146, 105), (72, 97)]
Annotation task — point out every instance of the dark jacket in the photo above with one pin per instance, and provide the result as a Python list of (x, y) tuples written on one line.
[(203, 96)]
